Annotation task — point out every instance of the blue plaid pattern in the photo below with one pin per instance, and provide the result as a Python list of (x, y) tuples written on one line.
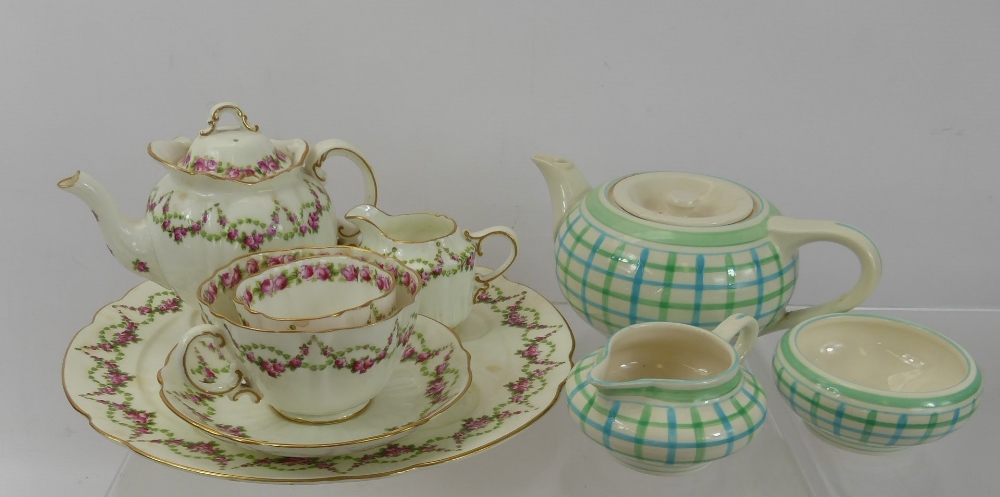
[(659, 438), (614, 281), (860, 426)]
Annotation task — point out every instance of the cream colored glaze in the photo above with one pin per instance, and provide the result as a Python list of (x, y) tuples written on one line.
[(313, 298), (433, 245), (682, 354), (883, 355), (417, 228), (603, 213), (683, 199), (171, 252)]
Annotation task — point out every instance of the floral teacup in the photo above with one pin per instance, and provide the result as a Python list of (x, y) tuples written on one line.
[(316, 293), (306, 376), (444, 256)]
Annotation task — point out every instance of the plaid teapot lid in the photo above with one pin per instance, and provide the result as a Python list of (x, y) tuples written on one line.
[(683, 199)]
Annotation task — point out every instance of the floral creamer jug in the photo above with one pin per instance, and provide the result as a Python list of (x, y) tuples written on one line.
[(434, 246), (685, 248), (229, 192)]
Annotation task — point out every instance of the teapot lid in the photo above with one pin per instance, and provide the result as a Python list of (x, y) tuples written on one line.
[(683, 199), (239, 152)]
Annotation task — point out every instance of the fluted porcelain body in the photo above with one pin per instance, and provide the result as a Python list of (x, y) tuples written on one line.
[(229, 192), (443, 255)]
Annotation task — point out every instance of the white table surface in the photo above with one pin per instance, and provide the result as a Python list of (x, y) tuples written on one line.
[(553, 458)]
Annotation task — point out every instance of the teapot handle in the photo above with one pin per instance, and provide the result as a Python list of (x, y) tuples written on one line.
[(325, 148), (789, 234)]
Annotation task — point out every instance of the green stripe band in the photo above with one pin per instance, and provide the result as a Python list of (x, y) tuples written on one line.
[(598, 206), (818, 411), (889, 399)]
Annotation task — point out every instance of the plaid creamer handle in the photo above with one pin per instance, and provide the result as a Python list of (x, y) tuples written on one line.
[(744, 326)]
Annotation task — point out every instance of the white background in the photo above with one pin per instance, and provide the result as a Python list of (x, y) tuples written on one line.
[(882, 115)]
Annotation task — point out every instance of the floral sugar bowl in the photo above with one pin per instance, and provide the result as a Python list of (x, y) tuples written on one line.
[(685, 248), (229, 192)]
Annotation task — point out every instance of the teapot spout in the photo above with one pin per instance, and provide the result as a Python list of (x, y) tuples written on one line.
[(127, 239), (566, 183)]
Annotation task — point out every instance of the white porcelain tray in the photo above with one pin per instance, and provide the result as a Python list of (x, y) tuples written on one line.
[(521, 351)]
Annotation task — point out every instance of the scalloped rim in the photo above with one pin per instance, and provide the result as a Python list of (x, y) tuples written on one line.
[(528, 422)]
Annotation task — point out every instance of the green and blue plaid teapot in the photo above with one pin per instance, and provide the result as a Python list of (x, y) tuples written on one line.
[(685, 248)]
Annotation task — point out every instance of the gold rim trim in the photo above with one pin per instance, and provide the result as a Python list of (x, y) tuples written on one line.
[(69, 182), (321, 423), (137, 450), (250, 441), (246, 326), (254, 180), (454, 226), (479, 252), (256, 396), (239, 299), (320, 175), (214, 119), (229, 265), (343, 234)]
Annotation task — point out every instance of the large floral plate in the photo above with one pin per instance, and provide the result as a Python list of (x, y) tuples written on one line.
[(432, 375), (521, 350)]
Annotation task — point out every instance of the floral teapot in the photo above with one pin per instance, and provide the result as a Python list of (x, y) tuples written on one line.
[(228, 192), (685, 248)]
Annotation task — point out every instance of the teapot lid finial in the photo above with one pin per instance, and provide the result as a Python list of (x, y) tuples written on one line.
[(213, 118), (683, 199)]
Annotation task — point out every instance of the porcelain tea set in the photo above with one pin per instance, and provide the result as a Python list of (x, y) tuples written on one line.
[(333, 340), (295, 319)]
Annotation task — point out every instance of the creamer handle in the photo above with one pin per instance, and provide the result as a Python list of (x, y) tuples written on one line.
[(745, 326), (477, 239)]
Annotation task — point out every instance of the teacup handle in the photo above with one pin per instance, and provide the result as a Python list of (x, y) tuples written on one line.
[(477, 238), (789, 234), (228, 383), (745, 326)]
